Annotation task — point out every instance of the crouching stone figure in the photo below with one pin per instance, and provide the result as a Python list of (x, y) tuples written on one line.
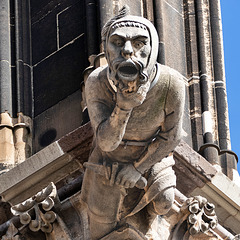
[(135, 107)]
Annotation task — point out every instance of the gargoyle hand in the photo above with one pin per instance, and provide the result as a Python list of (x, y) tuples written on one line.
[(128, 100), (128, 176)]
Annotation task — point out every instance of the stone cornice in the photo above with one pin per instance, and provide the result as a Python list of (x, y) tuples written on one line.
[(196, 176), (51, 164)]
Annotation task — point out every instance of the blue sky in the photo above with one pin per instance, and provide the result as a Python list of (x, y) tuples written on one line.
[(231, 39)]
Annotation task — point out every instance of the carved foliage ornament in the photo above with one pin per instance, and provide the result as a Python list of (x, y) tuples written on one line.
[(35, 211), (202, 215)]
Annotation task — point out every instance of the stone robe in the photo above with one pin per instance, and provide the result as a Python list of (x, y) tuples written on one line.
[(159, 116)]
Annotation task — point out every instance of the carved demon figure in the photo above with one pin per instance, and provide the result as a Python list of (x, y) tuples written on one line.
[(135, 107)]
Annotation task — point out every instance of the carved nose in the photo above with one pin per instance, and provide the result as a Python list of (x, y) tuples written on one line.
[(127, 50)]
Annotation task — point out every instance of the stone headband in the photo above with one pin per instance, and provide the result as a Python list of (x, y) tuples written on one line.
[(128, 24)]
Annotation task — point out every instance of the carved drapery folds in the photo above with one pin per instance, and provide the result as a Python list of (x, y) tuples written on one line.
[(36, 211)]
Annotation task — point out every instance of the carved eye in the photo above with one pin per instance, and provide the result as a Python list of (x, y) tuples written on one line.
[(138, 44), (119, 42)]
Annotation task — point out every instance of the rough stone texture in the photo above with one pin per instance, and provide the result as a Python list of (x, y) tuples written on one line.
[(5, 212), (71, 210), (191, 168), (69, 25), (175, 5), (53, 163), (203, 167), (15, 140), (5, 86), (59, 58), (70, 214), (224, 194), (42, 45), (131, 101), (7, 150), (57, 77), (136, 6), (76, 138), (173, 25), (17, 181), (47, 126), (186, 126), (193, 74), (59, 21)]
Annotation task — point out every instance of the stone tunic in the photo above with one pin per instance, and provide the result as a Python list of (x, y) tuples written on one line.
[(162, 109)]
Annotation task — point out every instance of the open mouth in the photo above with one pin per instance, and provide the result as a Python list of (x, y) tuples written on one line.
[(127, 70)]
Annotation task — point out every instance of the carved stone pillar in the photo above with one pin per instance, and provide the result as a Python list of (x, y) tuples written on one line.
[(15, 140), (15, 83), (6, 140), (22, 138), (5, 58)]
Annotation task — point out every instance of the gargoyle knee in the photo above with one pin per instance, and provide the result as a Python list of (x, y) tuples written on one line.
[(164, 201)]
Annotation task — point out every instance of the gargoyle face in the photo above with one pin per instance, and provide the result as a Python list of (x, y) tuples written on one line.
[(128, 49)]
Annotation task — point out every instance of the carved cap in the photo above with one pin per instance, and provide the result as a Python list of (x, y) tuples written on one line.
[(123, 19)]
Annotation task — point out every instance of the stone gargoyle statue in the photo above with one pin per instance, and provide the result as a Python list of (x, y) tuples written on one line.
[(135, 107)]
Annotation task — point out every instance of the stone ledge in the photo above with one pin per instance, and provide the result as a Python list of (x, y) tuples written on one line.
[(196, 176), (221, 232), (227, 188), (51, 164), (30, 176), (202, 167), (76, 137), (225, 195), (191, 168)]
